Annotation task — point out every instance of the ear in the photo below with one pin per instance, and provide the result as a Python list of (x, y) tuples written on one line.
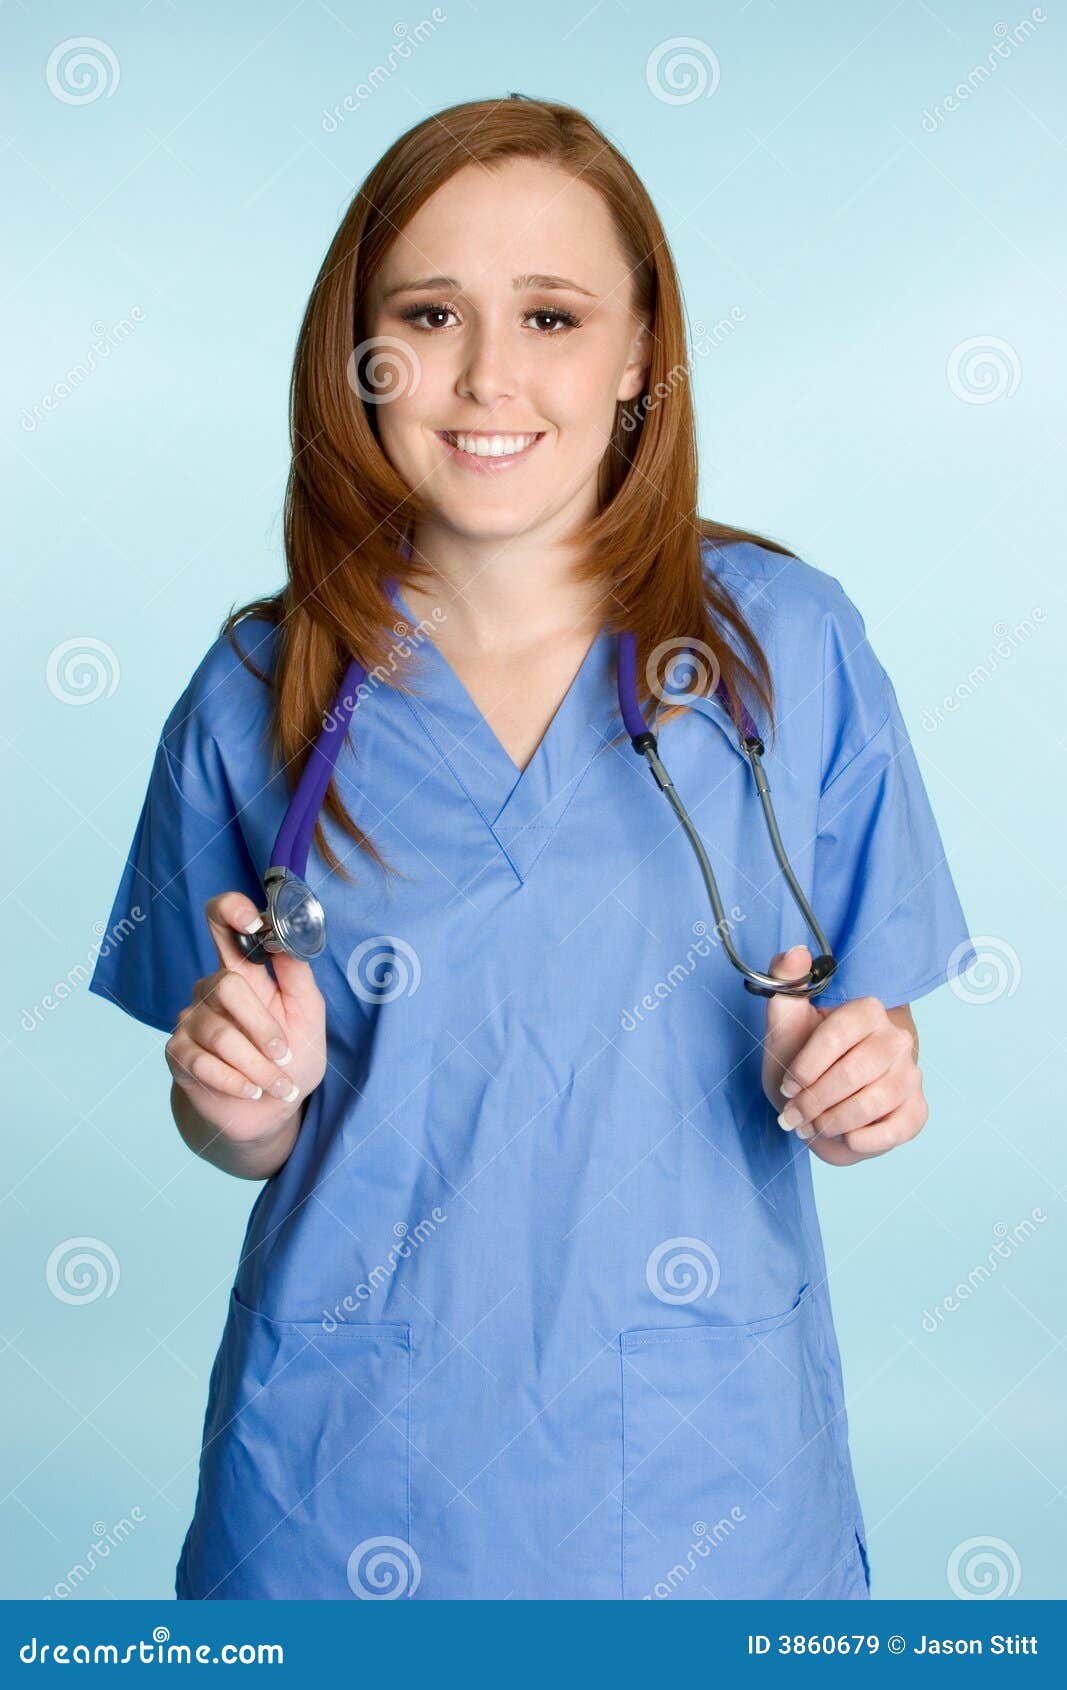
[(635, 376)]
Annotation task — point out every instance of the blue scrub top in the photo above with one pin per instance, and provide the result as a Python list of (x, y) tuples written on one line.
[(537, 1307)]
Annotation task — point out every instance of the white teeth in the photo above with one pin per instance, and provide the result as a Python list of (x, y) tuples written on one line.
[(492, 445)]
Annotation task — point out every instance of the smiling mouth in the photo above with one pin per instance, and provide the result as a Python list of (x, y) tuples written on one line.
[(485, 447)]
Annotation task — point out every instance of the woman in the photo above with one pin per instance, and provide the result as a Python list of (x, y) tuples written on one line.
[(532, 1302)]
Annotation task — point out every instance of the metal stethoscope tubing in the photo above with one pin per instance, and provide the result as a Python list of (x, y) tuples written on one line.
[(761, 985), (643, 741)]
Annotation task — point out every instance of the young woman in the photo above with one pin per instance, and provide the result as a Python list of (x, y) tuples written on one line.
[(532, 1302)]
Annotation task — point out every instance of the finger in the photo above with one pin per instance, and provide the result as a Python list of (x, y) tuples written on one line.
[(836, 1152), (217, 1034), (841, 1028), (871, 1103), (226, 913), (232, 994), (864, 1065), (295, 980), (898, 1127), (188, 1061)]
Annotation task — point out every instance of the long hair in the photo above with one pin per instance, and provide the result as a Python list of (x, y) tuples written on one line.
[(348, 512)]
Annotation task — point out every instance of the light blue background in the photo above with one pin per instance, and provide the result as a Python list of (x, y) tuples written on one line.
[(858, 250)]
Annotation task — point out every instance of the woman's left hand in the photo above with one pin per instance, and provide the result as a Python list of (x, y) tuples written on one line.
[(852, 1071)]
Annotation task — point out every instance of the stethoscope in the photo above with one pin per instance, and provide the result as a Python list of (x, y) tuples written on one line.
[(295, 921)]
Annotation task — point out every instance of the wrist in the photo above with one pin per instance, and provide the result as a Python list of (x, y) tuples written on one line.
[(250, 1157)]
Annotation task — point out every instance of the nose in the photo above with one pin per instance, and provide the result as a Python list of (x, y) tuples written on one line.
[(488, 371)]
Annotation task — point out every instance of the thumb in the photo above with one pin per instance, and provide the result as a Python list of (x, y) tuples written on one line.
[(788, 1019)]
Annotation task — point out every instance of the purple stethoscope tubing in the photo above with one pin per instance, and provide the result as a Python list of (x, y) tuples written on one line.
[(293, 844), (288, 862), (635, 722)]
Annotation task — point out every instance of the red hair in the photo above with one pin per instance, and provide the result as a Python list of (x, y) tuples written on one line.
[(347, 511)]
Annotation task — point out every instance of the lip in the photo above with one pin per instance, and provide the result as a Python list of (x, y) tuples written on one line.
[(488, 466)]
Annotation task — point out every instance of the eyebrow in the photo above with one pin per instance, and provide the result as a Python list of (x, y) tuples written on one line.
[(555, 283)]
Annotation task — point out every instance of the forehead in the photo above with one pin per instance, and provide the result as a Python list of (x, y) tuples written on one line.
[(484, 226)]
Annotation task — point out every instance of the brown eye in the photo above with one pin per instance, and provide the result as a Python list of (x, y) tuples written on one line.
[(414, 312), (565, 317)]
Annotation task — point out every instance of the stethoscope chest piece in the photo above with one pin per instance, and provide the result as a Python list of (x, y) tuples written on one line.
[(293, 920)]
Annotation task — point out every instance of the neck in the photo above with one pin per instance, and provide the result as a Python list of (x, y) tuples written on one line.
[(501, 595)]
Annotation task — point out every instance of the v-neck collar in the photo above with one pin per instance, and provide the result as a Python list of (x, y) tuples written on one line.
[(521, 807)]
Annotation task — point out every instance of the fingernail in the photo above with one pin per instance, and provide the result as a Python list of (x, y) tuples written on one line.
[(790, 1118), (254, 926), (789, 1088), (252, 1091), (805, 1130), (285, 1094), (280, 1052)]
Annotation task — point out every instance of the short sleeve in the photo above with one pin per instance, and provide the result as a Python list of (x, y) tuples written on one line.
[(882, 889), (157, 942)]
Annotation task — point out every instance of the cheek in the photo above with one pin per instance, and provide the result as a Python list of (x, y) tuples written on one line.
[(579, 394), (391, 373), (390, 435), (402, 421)]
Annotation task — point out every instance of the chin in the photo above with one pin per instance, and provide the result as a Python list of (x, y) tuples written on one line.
[(478, 523)]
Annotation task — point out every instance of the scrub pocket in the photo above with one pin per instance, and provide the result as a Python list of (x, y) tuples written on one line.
[(734, 1463), (304, 1473)]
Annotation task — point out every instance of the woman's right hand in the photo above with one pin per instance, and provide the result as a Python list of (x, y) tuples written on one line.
[(251, 1046)]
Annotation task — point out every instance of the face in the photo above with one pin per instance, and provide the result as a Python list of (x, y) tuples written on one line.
[(512, 304)]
